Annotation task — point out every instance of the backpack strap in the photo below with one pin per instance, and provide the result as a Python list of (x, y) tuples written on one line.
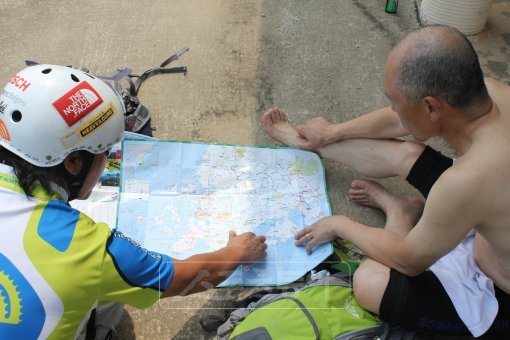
[(336, 279), (137, 114), (91, 326), (161, 69)]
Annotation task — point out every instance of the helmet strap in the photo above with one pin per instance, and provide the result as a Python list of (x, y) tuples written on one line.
[(75, 182)]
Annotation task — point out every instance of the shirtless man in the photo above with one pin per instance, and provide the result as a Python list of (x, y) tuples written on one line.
[(442, 264)]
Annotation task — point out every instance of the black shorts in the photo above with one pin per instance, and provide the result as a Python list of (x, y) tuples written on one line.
[(426, 170), (420, 302)]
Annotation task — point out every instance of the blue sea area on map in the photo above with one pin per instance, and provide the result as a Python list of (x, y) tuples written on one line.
[(296, 216)]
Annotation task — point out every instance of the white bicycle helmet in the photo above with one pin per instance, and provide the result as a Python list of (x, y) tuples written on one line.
[(49, 111)]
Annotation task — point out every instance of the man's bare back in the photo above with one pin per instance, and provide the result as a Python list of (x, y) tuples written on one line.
[(492, 146)]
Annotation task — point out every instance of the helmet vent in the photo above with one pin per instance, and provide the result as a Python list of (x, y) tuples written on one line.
[(16, 116), (46, 70), (75, 78), (91, 76)]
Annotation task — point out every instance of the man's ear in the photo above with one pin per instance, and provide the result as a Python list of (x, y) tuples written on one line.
[(434, 108), (73, 163)]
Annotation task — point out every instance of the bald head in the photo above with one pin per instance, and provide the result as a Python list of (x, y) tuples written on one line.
[(435, 37), (438, 61)]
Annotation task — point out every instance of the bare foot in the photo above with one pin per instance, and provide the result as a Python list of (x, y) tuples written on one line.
[(278, 127), (398, 209)]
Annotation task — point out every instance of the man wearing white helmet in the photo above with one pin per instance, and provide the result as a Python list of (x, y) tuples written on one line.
[(56, 264)]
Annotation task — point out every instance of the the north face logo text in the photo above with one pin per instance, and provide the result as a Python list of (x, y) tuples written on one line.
[(77, 103)]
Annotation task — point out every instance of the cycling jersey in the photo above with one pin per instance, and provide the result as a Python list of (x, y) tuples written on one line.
[(57, 264)]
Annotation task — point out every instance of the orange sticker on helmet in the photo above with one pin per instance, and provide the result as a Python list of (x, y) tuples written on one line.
[(4, 132), (78, 102)]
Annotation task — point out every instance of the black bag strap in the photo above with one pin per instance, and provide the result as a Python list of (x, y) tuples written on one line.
[(127, 73), (161, 69), (91, 326)]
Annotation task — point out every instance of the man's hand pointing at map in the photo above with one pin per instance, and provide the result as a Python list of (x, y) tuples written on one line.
[(204, 271), (324, 230), (250, 246)]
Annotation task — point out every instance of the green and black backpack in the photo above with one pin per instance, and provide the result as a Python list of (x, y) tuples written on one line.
[(323, 309)]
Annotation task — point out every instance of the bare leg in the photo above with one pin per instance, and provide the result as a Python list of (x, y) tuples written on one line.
[(402, 213), (378, 158), (369, 284)]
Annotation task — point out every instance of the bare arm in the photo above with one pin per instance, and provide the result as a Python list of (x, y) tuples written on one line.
[(383, 123), (449, 214), (204, 271)]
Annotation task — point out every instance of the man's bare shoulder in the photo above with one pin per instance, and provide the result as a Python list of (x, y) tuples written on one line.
[(453, 207), (477, 186), (482, 164), (459, 173), (465, 181)]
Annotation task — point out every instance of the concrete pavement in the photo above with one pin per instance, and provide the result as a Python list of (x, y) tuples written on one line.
[(309, 57)]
